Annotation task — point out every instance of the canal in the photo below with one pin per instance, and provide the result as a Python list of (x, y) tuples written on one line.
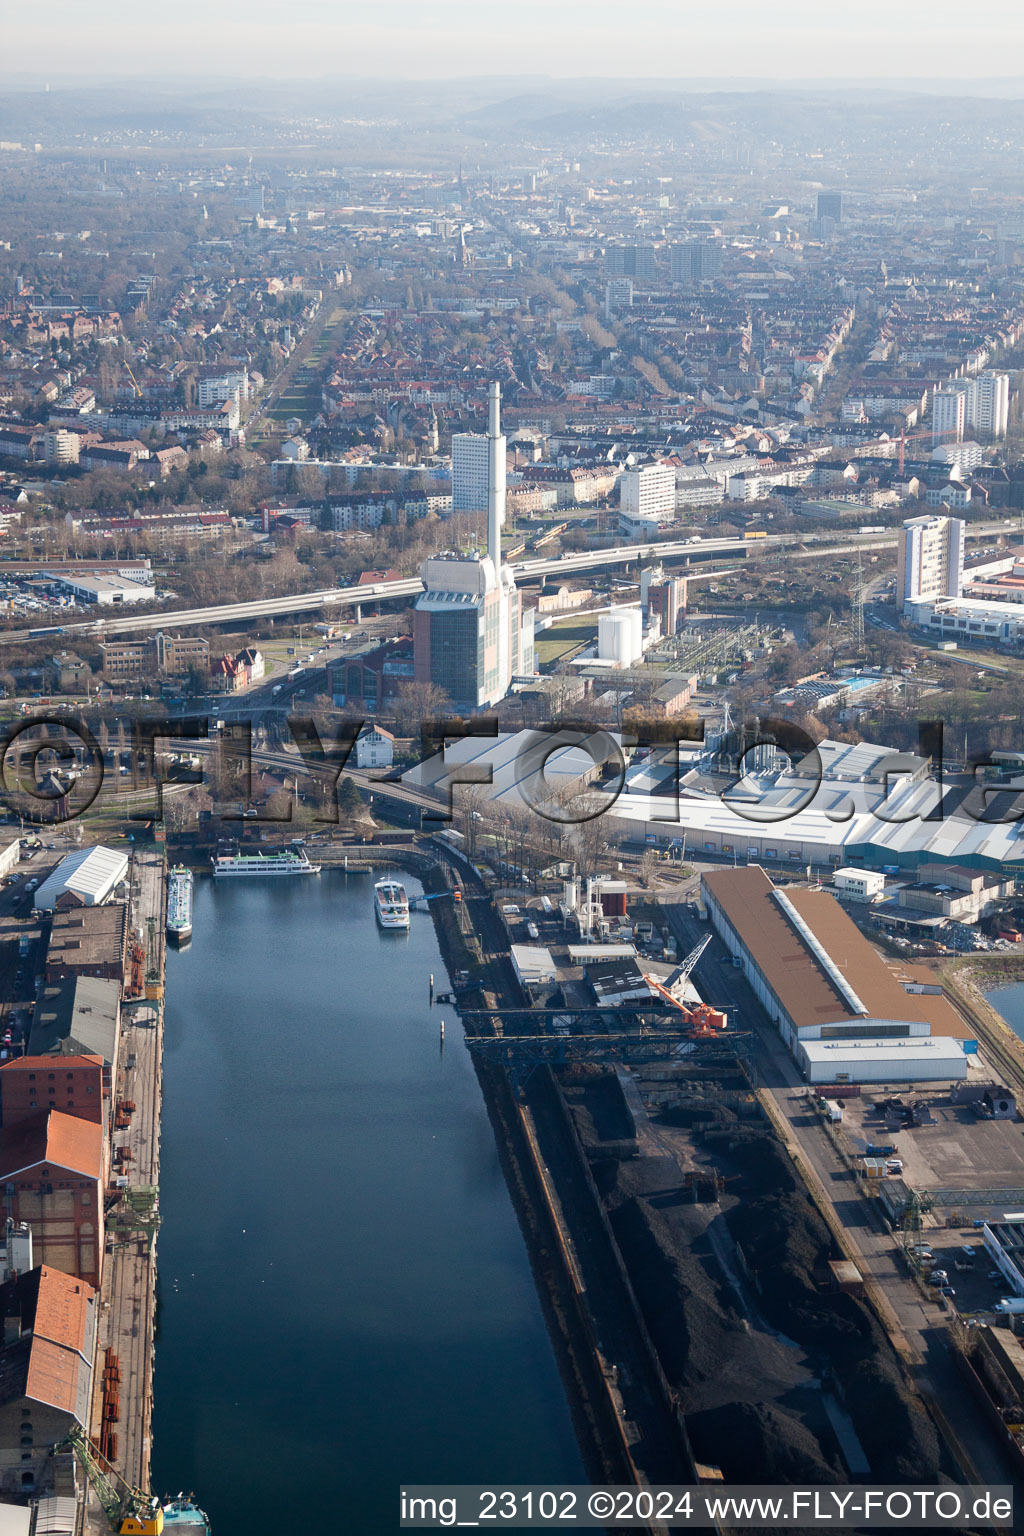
[(346, 1302)]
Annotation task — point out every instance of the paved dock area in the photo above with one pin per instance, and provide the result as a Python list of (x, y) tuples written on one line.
[(128, 1293)]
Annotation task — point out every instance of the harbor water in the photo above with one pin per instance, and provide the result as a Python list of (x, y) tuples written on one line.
[(346, 1301), (1009, 1004)]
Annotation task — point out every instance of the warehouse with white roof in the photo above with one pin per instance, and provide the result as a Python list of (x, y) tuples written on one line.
[(86, 878)]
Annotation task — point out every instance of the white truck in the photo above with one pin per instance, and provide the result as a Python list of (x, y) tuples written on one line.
[(1013, 1306)]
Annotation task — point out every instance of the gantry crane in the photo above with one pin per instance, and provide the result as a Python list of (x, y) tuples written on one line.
[(129, 1511)]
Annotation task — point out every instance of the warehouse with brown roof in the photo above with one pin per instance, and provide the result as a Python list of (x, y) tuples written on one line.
[(843, 1012)]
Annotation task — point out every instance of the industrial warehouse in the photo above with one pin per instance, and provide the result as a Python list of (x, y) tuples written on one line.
[(843, 1012)]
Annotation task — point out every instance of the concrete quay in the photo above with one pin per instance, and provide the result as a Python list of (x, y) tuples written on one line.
[(128, 1290)]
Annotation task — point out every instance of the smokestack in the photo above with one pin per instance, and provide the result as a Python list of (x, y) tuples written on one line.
[(495, 478)]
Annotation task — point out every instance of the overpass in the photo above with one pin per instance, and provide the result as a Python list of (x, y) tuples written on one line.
[(335, 598)]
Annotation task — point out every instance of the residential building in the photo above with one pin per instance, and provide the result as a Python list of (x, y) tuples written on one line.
[(930, 562), (988, 406), (949, 415), (375, 748), (698, 261), (223, 387), (61, 446), (629, 261), (648, 490), (618, 295), (46, 1366), (470, 459)]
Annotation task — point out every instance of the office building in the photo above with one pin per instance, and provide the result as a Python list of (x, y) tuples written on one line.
[(648, 490), (930, 563), (830, 206), (698, 261), (470, 636)]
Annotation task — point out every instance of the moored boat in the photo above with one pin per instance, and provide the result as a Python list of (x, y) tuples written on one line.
[(179, 904), (391, 904), (283, 861), (184, 1517)]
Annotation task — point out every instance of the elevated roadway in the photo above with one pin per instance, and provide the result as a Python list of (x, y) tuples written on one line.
[(336, 599)]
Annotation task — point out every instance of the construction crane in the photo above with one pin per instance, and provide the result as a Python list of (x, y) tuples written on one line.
[(135, 383), (129, 1511)]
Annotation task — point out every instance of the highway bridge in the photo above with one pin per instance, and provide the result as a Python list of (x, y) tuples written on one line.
[(819, 544), (340, 598)]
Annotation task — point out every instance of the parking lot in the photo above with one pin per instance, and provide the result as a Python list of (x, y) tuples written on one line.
[(973, 1287), (961, 1150)]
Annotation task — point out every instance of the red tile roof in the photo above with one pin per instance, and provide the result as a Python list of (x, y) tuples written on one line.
[(53, 1138)]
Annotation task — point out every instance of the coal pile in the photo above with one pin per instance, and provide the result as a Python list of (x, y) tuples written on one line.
[(602, 1118), (737, 1301)]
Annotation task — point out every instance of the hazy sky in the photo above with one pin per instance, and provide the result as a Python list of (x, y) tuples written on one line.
[(791, 39)]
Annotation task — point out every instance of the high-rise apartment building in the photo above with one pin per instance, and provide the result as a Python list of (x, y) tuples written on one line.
[(980, 405), (949, 415), (988, 404), (648, 491), (469, 471), (931, 559), (470, 634), (629, 261), (698, 261)]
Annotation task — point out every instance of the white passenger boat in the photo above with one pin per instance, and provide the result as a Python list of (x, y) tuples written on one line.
[(284, 861), (391, 904)]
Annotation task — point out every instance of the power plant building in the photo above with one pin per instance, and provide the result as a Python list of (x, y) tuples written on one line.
[(470, 634)]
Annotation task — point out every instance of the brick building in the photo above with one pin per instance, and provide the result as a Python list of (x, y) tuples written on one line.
[(46, 1364), (73, 1084), (53, 1168)]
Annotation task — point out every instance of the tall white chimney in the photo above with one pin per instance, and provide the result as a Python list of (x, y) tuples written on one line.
[(495, 479)]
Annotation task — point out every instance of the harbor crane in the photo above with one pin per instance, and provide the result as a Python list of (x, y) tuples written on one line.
[(675, 983), (129, 1511)]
